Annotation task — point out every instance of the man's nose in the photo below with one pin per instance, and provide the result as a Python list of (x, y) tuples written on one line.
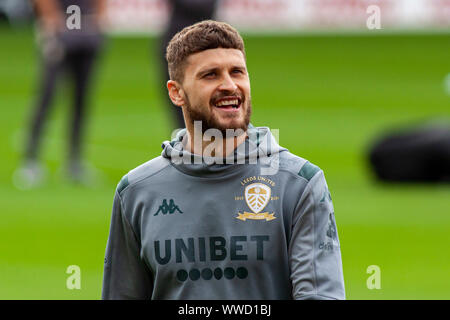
[(228, 84)]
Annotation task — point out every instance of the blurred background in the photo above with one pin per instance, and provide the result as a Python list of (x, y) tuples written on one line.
[(332, 75)]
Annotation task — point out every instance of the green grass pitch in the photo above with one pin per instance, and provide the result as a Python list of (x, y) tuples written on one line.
[(329, 96)]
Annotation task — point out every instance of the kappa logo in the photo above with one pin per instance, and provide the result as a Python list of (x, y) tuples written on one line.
[(331, 233), (257, 196), (170, 208), (325, 195)]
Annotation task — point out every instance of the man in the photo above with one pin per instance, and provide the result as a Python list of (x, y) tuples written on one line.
[(68, 44), (211, 218)]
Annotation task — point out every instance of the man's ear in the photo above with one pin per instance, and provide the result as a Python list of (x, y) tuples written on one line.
[(175, 93)]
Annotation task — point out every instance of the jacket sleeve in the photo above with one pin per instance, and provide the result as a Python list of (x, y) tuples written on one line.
[(126, 275), (314, 249)]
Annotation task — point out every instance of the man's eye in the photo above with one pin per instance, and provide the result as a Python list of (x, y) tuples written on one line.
[(238, 72), (209, 75)]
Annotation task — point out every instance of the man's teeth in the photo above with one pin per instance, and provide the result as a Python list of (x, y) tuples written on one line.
[(233, 103)]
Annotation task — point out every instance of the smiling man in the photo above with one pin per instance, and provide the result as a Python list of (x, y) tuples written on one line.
[(245, 219), (211, 84)]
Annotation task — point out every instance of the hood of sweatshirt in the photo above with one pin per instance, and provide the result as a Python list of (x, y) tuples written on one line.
[(259, 148)]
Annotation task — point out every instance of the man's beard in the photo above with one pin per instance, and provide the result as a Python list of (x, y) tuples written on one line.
[(210, 121)]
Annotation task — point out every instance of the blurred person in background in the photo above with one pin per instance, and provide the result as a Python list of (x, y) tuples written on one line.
[(183, 13), (65, 46)]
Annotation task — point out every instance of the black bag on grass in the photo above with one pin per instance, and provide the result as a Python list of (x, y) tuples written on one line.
[(420, 154)]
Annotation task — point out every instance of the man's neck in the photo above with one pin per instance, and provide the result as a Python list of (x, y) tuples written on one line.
[(218, 147)]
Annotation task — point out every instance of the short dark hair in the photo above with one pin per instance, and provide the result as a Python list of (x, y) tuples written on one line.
[(204, 35)]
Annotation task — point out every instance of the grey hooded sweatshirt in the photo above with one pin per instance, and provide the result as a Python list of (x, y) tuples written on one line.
[(258, 224)]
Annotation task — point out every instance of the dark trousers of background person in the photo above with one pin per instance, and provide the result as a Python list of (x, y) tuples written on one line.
[(184, 13), (78, 66)]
